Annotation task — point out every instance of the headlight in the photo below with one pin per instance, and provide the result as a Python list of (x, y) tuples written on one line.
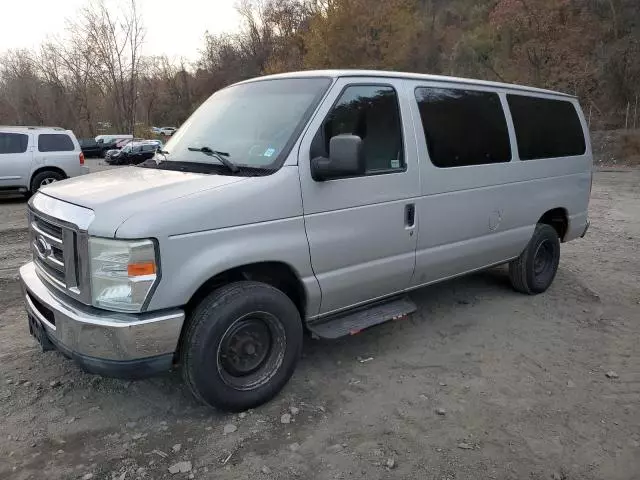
[(123, 272)]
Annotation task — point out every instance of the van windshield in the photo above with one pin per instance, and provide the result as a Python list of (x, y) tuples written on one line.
[(255, 124)]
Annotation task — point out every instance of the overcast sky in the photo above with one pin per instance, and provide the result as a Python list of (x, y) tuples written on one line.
[(174, 27)]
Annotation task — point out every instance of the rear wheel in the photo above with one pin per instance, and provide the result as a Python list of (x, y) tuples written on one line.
[(45, 178), (534, 270), (241, 346)]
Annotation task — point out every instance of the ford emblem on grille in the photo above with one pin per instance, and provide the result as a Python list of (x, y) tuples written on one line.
[(43, 248)]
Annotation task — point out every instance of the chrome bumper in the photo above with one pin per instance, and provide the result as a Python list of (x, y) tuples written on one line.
[(99, 340)]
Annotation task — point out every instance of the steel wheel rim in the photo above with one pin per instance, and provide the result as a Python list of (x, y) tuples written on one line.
[(251, 351), (47, 181), (543, 259)]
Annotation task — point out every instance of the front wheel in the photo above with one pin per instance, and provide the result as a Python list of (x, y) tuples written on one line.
[(534, 270), (241, 346)]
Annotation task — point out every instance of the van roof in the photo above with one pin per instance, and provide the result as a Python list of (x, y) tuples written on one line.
[(28, 127), (409, 76)]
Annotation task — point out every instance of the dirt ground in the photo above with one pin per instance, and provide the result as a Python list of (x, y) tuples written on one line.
[(522, 383)]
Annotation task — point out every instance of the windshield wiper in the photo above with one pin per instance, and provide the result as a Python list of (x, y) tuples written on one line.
[(220, 156)]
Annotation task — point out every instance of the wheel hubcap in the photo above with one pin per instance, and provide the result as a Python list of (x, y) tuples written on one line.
[(47, 181), (251, 351), (245, 347), (543, 259)]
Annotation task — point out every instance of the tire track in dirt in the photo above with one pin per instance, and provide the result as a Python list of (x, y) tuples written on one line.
[(14, 252)]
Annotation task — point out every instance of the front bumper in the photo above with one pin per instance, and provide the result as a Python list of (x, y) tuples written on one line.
[(107, 343)]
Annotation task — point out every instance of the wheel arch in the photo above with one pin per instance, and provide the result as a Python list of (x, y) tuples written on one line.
[(278, 274), (558, 218), (46, 168)]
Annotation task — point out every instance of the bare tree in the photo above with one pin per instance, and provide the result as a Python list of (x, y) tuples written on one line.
[(69, 64), (116, 42)]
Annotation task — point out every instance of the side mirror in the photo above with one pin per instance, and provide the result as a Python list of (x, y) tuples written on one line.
[(346, 159)]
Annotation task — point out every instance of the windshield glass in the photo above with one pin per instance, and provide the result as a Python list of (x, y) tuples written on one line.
[(254, 123)]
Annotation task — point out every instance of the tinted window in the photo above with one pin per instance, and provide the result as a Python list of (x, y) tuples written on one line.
[(13, 142), (373, 114), (55, 142), (546, 128), (463, 127), (149, 148)]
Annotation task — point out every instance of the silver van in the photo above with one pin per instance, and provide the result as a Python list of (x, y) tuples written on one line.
[(312, 201)]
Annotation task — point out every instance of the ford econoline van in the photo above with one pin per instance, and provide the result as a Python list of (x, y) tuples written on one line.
[(313, 201)]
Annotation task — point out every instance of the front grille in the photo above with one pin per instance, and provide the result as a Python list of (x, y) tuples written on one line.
[(58, 254), (48, 227), (52, 272), (54, 251)]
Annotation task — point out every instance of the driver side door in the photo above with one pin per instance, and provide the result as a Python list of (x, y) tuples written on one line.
[(362, 230)]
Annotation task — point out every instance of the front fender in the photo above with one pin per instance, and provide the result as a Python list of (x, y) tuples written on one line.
[(189, 260)]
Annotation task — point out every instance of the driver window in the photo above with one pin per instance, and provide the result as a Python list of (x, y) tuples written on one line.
[(371, 112)]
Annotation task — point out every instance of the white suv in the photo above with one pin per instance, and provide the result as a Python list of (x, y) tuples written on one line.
[(31, 157)]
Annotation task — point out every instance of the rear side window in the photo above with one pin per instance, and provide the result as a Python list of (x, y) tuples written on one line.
[(546, 128), (463, 127), (55, 142), (13, 142)]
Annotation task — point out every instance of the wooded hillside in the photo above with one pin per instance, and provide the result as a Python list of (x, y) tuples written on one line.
[(96, 73)]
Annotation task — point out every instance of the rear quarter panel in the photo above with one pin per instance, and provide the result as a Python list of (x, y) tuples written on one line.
[(68, 162)]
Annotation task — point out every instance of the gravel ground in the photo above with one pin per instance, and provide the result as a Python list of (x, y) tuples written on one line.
[(480, 383)]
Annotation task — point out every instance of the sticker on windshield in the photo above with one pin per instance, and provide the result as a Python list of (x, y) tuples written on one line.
[(395, 163), (269, 152)]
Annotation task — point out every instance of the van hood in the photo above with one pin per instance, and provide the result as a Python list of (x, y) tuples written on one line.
[(115, 195)]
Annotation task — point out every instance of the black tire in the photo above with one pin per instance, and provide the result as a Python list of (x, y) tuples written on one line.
[(44, 178), (534, 270), (213, 369)]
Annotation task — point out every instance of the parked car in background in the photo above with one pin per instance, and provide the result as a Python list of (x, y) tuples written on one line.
[(91, 148), (112, 138), (111, 152), (31, 157), (106, 146), (157, 143), (156, 130), (168, 131), (133, 153), (123, 143)]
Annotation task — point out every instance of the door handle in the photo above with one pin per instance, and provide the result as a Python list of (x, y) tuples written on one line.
[(410, 215)]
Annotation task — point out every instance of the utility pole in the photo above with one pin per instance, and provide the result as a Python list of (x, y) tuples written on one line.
[(635, 113)]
